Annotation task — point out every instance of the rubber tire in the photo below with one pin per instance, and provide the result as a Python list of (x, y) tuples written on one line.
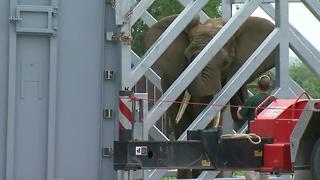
[(315, 161)]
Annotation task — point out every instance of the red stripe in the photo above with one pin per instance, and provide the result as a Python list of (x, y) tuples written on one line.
[(121, 126), (125, 110)]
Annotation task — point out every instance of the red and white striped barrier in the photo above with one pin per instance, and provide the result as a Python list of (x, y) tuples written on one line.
[(125, 115)]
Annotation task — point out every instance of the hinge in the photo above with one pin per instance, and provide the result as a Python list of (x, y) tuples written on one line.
[(108, 75), (107, 152), (107, 113), (14, 19)]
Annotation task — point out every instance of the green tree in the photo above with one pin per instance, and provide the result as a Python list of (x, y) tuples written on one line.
[(163, 8), (306, 79)]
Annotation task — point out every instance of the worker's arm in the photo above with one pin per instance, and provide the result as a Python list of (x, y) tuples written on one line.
[(240, 117)]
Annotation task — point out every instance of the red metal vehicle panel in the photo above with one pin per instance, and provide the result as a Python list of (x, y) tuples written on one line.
[(277, 158), (277, 121)]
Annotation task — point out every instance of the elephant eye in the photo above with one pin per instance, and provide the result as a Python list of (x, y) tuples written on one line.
[(192, 58)]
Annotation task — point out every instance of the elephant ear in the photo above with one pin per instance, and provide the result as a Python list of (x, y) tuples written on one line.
[(201, 34), (158, 28), (172, 62)]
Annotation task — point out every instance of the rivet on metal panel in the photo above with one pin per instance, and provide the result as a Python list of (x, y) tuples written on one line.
[(108, 75), (107, 152), (107, 113)]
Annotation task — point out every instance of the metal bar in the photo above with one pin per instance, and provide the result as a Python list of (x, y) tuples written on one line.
[(282, 63), (203, 16), (148, 19), (235, 82), (34, 8), (10, 151), (52, 102), (156, 134), (313, 6), (122, 9), (150, 74), (305, 51), (226, 9), (200, 62), (175, 28), (140, 9), (295, 87), (264, 1), (299, 44), (206, 175)]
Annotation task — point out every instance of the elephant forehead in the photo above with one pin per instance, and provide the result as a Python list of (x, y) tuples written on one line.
[(215, 22), (205, 30)]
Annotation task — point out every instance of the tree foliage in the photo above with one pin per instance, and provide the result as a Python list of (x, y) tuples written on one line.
[(306, 79), (163, 8)]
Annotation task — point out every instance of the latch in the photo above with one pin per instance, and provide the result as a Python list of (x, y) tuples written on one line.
[(108, 75), (107, 152), (107, 113)]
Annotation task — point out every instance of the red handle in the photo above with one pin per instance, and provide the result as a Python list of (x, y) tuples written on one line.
[(263, 103)]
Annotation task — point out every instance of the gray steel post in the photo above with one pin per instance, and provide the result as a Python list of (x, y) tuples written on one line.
[(111, 88), (52, 118), (226, 9), (11, 96), (282, 63)]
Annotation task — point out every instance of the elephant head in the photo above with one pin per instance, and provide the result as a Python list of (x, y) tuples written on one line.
[(218, 71)]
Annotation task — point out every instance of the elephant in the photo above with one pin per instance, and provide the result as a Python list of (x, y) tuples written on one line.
[(217, 72)]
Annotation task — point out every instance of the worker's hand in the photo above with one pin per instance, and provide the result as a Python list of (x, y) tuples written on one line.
[(238, 113)]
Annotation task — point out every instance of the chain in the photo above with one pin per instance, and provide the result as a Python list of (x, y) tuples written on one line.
[(113, 4), (129, 14), (121, 36)]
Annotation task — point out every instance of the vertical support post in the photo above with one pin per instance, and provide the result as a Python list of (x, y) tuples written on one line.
[(52, 99), (123, 11), (11, 95), (226, 9), (282, 63)]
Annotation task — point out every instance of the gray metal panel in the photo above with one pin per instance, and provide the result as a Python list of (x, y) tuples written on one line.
[(31, 122), (4, 14), (79, 112)]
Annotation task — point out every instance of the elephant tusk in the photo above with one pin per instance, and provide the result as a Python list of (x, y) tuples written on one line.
[(183, 106), (216, 120)]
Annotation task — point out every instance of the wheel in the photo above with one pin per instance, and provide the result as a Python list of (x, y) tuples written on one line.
[(315, 161)]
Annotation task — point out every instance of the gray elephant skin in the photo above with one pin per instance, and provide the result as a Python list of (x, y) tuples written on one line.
[(218, 71)]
